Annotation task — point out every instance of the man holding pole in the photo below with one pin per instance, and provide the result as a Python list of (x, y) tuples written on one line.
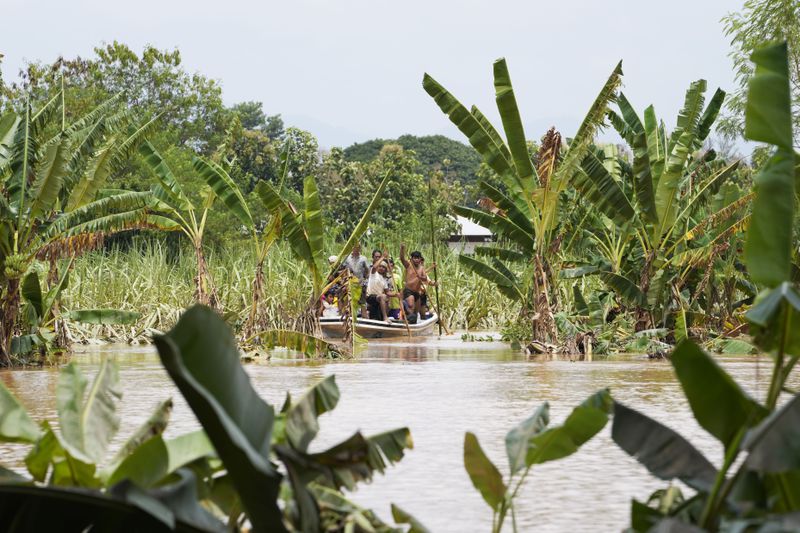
[(415, 276)]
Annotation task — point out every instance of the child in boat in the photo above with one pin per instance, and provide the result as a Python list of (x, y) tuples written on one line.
[(330, 307), (415, 277)]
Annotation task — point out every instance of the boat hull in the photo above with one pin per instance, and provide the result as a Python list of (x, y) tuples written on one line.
[(333, 328)]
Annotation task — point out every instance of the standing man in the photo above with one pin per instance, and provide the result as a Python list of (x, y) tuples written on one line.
[(414, 278), (358, 266)]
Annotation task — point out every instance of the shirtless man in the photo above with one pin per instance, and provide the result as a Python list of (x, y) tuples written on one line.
[(414, 278)]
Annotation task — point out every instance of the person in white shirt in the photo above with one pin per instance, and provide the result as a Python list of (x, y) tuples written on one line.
[(378, 293)]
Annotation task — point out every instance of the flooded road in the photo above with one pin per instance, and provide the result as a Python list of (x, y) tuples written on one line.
[(441, 389)]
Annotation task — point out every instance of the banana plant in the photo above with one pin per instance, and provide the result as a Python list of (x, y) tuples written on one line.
[(262, 240), (527, 213), (201, 357), (53, 203), (659, 205), (757, 485), (190, 217)]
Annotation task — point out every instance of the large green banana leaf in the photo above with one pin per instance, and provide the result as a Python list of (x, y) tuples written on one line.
[(656, 147), (291, 227), (709, 116), (168, 190), (88, 420), (598, 186), (643, 183), (768, 249), (126, 201), (224, 187), (512, 125), (584, 137), (491, 131), (201, 357), (515, 209), (469, 126), (679, 149), (507, 286), (49, 178), (624, 287), (312, 218)]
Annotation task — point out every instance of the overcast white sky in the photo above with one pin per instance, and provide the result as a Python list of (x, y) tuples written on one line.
[(351, 70)]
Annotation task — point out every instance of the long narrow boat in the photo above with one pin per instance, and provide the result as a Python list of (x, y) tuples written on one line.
[(376, 329)]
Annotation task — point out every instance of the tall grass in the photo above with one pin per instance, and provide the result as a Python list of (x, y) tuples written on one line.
[(151, 280)]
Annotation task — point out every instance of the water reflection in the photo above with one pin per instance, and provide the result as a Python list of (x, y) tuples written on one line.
[(440, 389)]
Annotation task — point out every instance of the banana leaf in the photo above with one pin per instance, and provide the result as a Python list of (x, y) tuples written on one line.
[(224, 187), (470, 126), (768, 119), (512, 124), (49, 178), (665, 453), (679, 150), (504, 284), (201, 357), (595, 183), (643, 183), (168, 190), (483, 473), (361, 227)]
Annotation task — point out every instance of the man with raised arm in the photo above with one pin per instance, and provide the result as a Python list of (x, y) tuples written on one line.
[(415, 277)]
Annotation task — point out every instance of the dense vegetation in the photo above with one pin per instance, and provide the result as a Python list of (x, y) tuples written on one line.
[(657, 242)]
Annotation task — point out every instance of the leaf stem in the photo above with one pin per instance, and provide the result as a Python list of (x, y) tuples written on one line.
[(713, 501)]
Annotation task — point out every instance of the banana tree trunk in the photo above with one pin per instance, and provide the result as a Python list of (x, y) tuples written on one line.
[(257, 321), (63, 337), (643, 317), (542, 321), (204, 286), (9, 307)]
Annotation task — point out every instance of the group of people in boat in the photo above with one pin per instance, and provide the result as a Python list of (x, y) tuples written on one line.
[(377, 289)]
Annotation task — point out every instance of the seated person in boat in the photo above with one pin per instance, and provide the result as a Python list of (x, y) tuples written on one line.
[(415, 277), (359, 267), (394, 301), (330, 305), (378, 293)]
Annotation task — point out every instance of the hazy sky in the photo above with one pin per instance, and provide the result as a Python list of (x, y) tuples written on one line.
[(351, 70)]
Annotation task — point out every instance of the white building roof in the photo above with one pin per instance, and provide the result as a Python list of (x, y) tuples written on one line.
[(471, 229)]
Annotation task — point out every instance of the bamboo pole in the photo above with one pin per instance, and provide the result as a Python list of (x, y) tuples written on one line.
[(433, 253)]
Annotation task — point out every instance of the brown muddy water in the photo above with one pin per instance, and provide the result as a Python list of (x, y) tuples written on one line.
[(441, 388)]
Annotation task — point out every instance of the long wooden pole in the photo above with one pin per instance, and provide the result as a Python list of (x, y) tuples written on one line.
[(433, 253)]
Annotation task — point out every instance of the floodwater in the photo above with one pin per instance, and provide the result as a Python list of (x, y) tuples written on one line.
[(441, 388)]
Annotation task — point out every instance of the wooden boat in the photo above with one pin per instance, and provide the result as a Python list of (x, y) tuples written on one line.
[(333, 328)]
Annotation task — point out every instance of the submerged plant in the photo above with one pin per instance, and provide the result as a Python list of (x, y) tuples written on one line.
[(531, 443)]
